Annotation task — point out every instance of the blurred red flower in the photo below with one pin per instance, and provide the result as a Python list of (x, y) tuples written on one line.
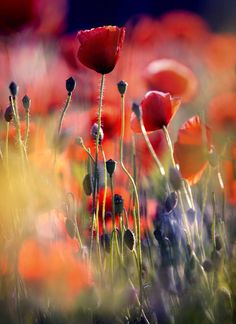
[(191, 148), (230, 176), (168, 75), (157, 110), (100, 47), (54, 270), (15, 14), (222, 113)]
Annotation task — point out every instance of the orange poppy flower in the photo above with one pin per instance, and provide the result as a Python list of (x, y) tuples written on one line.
[(157, 110), (221, 112), (100, 47), (221, 52), (54, 270), (190, 149), (168, 75)]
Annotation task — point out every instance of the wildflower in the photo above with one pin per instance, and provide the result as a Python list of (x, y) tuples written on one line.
[(190, 149), (111, 166), (100, 47), (168, 75), (157, 110)]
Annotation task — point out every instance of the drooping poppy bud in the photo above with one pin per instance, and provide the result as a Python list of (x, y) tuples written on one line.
[(100, 47), (8, 115), (129, 239)]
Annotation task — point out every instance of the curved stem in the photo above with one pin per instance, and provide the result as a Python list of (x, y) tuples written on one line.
[(68, 99), (151, 150), (137, 214)]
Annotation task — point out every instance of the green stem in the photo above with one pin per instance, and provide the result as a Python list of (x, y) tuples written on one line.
[(169, 143), (151, 150), (137, 214), (68, 99), (95, 181), (18, 132), (27, 129)]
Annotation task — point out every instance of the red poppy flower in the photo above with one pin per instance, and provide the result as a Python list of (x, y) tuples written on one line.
[(157, 110), (190, 150), (168, 75), (230, 176), (100, 47), (15, 14)]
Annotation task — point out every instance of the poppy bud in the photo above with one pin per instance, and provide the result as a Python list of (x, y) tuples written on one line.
[(175, 178), (8, 114), (26, 102), (136, 110), (171, 201), (122, 86), (70, 85), (13, 87), (218, 241), (94, 131), (119, 204), (105, 242), (111, 166), (207, 265), (129, 239), (87, 185)]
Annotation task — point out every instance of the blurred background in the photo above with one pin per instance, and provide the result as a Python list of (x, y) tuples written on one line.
[(221, 15)]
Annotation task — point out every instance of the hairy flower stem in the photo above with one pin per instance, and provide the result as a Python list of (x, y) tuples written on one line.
[(18, 133), (137, 213), (95, 181), (151, 150), (68, 100), (27, 120), (104, 192)]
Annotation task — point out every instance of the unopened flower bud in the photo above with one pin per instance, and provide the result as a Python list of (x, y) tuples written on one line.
[(70, 85), (129, 239), (137, 110), (13, 87), (94, 131), (119, 204), (26, 102), (218, 241), (207, 265), (122, 86), (87, 185), (111, 166), (175, 178), (8, 114)]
